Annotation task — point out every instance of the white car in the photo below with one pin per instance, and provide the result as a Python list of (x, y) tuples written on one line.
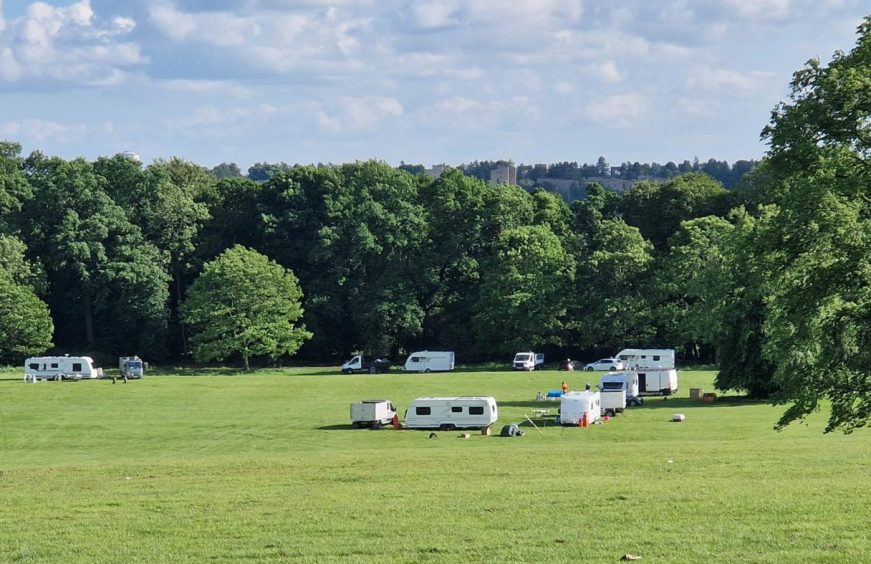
[(610, 364)]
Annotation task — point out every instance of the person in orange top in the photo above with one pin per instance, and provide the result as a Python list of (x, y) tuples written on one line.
[(565, 387)]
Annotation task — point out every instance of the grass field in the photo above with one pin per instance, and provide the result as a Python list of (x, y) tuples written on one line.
[(195, 466)]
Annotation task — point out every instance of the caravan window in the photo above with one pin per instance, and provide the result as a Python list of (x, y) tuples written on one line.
[(476, 410), (54, 365), (612, 385), (415, 359), (33, 366), (656, 357), (422, 410), (77, 367), (456, 409)]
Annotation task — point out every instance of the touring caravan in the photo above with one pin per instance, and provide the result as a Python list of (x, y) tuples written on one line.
[(657, 382), (447, 413), (575, 405), (627, 381), (640, 359), (60, 368), (430, 361)]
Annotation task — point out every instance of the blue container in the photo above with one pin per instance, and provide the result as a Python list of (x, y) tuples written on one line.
[(554, 393)]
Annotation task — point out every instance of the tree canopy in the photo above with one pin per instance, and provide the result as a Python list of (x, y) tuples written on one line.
[(244, 304)]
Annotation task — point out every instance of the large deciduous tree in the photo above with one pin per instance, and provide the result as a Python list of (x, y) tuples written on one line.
[(816, 240), (244, 304), (25, 323), (107, 285)]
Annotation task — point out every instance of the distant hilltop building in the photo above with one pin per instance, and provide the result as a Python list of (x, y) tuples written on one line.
[(506, 174), (130, 155), (437, 170)]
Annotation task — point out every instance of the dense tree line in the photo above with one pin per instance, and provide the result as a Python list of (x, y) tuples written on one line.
[(770, 279)]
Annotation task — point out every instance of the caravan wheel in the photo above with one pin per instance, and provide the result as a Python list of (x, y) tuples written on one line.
[(447, 427), (426, 371)]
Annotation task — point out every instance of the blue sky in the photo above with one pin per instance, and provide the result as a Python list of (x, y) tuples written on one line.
[(418, 81)]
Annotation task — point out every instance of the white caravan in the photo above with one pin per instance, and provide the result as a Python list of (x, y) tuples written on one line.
[(657, 382), (528, 361), (627, 381), (430, 361), (372, 413), (640, 359), (574, 405), (464, 412), (60, 368)]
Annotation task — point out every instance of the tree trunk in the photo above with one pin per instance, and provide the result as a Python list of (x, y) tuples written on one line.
[(247, 366), (88, 312), (182, 337)]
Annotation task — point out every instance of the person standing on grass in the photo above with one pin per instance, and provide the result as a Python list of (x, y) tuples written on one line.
[(565, 388)]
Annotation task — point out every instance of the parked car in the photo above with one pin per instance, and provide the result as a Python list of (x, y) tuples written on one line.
[(610, 364)]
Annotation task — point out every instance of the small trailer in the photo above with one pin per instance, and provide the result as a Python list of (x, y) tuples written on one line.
[(613, 401), (640, 359), (131, 367), (430, 361), (575, 406), (59, 368), (372, 413), (627, 381), (528, 361), (448, 413)]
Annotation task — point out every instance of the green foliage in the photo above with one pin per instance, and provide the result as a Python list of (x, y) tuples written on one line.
[(25, 324), (108, 288), (815, 241), (611, 306), (244, 304), (524, 291), (658, 209)]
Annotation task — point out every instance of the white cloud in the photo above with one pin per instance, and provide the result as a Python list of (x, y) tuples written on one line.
[(718, 79), (38, 130), (609, 71), (216, 87), (436, 13), (477, 114), (68, 44), (211, 117), (366, 111), (765, 9), (622, 110), (276, 41)]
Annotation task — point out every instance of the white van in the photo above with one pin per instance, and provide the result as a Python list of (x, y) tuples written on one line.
[(574, 405), (528, 361), (640, 359), (372, 413), (60, 368), (430, 361), (463, 412), (627, 381)]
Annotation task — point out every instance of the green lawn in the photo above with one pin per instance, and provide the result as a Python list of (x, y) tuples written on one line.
[(219, 466)]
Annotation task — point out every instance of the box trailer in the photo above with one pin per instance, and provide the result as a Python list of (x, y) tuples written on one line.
[(627, 381), (430, 361), (641, 359), (447, 413), (657, 382), (372, 413), (574, 406), (60, 368), (613, 401)]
